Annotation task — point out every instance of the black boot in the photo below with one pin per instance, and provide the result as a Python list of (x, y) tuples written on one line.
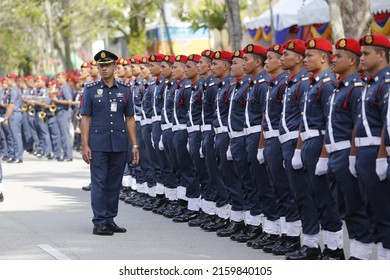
[(304, 253), (251, 232), (232, 228)]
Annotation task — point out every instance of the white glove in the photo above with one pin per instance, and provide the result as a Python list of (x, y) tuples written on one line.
[(352, 163), (188, 146), (160, 144), (296, 161), (381, 168), (229, 154), (260, 156), (322, 166), (201, 151), (151, 139)]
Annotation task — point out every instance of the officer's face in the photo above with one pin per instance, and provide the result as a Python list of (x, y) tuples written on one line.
[(370, 58), (219, 67), (155, 69), (178, 71), (135, 70), (341, 62), (272, 63), (166, 69), (249, 63), (107, 71), (313, 59), (236, 69), (145, 72), (203, 66), (190, 69), (289, 59)]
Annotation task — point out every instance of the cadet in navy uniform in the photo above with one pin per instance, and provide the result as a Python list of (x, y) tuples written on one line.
[(322, 84), (7, 148), (369, 126), (296, 85), (107, 123), (13, 117)]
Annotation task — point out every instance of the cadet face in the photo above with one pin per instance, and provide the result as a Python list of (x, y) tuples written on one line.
[(120, 70), (236, 69), (369, 59), (190, 69), (107, 71), (145, 72), (155, 68), (249, 63), (128, 71), (341, 62), (178, 71), (166, 69), (135, 69), (94, 71), (30, 83), (288, 60), (84, 73), (203, 66), (272, 63), (312, 61)]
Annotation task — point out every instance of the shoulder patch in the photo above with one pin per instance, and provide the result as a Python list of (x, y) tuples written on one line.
[(211, 84), (92, 84), (261, 81), (123, 83), (358, 84), (326, 80), (304, 78), (233, 83), (187, 86)]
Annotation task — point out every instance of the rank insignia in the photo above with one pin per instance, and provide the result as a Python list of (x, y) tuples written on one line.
[(368, 39), (103, 55), (312, 43), (291, 46), (342, 43), (99, 91)]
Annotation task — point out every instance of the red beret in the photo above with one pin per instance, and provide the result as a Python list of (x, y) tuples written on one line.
[(144, 60), (2, 80), (238, 53), (208, 54), (319, 44), (61, 73), (85, 65), (12, 76), (348, 44), (255, 49), (135, 59), (223, 55), (93, 63), (41, 77), (169, 58), (156, 57), (29, 77), (181, 58), (376, 40), (52, 83), (295, 45), (276, 48), (194, 57), (122, 61)]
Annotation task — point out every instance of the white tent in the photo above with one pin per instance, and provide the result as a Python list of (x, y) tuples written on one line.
[(316, 11), (380, 6), (285, 14)]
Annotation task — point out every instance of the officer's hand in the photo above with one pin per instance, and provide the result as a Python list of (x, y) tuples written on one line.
[(229, 154), (352, 163), (160, 144), (381, 168), (188, 146), (322, 166), (151, 140), (135, 155), (201, 151), (260, 156), (296, 160), (87, 154), (5, 122)]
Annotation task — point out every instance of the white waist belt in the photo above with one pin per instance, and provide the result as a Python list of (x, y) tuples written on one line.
[(166, 126), (137, 118), (206, 127), (146, 121), (221, 129), (388, 151), (193, 128), (367, 141), (311, 133), (330, 148), (179, 127), (271, 134), (288, 136), (252, 129), (156, 118), (236, 134)]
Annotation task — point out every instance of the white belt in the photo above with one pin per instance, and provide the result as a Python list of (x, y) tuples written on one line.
[(193, 128), (146, 121), (137, 118), (271, 134), (388, 151), (206, 127), (221, 129), (288, 136), (156, 118), (166, 126), (311, 133), (367, 141), (252, 129), (330, 148), (236, 134), (179, 127)]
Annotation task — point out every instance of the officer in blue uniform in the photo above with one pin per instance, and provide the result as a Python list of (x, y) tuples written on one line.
[(30, 92), (369, 128), (107, 123), (7, 147), (313, 107), (296, 85)]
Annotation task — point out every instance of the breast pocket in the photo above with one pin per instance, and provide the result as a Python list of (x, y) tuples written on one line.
[(99, 104)]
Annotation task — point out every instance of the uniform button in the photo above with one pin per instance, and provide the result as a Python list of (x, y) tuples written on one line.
[(111, 122), (112, 130), (123, 130), (100, 100), (359, 116), (111, 115), (109, 93)]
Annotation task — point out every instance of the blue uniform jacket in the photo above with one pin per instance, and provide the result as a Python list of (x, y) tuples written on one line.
[(256, 95), (238, 103), (196, 103), (209, 93), (182, 101), (221, 103), (169, 99)]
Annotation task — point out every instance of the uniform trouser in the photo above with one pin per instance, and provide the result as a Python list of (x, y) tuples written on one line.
[(300, 189), (278, 179), (106, 177), (144, 171), (26, 132), (43, 131), (195, 142), (189, 178), (15, 125), (63, 120), (229, 173), (218, 192), (54, 132), (241, 165), (151, 154), (329, 216), (378, 195), (3, 143), (34, 133), (9, 142), (169, 151)]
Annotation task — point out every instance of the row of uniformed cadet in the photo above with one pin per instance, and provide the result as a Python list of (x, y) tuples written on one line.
[(239, 138)]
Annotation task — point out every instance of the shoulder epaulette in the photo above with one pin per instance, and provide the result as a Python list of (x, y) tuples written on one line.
[(326, 80), (211, 84), (304, 78), (123, 83), (92, 84), (358, 84), (187, 86)]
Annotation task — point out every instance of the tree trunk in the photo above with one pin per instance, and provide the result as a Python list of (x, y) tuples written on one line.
[(335, 19), (161, 6), (356, 22), (234, 23)]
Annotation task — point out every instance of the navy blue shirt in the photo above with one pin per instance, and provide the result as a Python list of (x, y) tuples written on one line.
[(256, 95), (138, 91), (221, 103), (195, 110), (168, 103), (158, 96), (182, 102), (210, 90), (238, 101), (147, 100)]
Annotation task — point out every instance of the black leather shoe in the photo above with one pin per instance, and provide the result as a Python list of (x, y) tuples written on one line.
[(203, 218), (115, 228), (250, 232), (68, 159), (216, 224), (187, 216), (328, 254), (86, 188), (173, 210), (353, 258), (11, 160), (141, 201), (288, 244), (264, 239), (153, 203), (268, 248), (232, 228), (18, 161), (102, 229), (304, 253), (59, 159), (132, 196), (160, 209), (1, 197)]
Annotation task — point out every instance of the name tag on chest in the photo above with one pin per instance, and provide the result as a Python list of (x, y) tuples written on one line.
[(114, 106)]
